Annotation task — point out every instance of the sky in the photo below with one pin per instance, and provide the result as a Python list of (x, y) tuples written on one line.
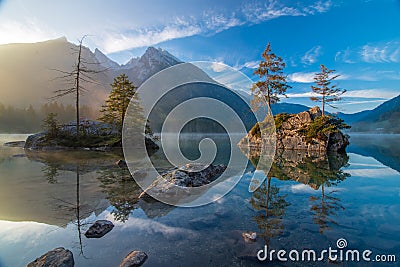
[(360, 39)]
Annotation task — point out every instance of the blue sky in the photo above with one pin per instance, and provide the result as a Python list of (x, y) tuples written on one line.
[(358, 38)]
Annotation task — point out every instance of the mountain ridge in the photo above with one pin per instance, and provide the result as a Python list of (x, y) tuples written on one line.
[(383, 118)]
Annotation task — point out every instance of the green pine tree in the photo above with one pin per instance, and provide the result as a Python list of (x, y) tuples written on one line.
[(114, 110), (327, 91), (272, 80)]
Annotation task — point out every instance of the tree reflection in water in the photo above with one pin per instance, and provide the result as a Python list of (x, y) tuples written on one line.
[(66, 206), (121, 190), (273, 205), (51, 172), (317, 170)]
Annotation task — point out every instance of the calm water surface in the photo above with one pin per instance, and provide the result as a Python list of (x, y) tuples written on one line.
[(308, 201)]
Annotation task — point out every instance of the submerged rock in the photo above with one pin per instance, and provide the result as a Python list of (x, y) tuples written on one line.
[(59, 257), (99, 229), (134, 259)]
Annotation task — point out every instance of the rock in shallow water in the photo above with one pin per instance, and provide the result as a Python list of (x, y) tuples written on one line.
[(190, 175), (134, 259), (99, 229), (59, 257), (249, 236)]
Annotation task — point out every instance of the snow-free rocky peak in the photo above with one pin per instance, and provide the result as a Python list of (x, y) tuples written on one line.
[(104, 60)]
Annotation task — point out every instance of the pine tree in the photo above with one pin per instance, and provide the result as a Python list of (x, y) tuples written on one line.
[(328, 92), (114, 110), (51, 125), (272, 80)]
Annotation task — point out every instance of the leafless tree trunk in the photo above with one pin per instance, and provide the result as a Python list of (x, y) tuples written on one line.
[(80, 73)]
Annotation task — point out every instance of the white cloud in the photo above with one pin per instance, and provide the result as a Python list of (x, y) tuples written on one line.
[(128, 30), (218, 22), (347, 56), (115, 42), (362, 94), (382, 52), (301, 95), (251, 64), (218, 66), (308, 77), (301, 77), (358, 102), (319, 7), (372, 76), (372, 93), (208, 22), (311, 56)]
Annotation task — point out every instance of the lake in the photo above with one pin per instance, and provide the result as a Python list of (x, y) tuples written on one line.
[(308, 201)]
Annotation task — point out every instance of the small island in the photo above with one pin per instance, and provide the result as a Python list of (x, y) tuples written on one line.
[(309, 130)]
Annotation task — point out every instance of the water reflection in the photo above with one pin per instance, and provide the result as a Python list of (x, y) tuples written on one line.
[(316, 170), (272, 206), (51, 172), (116, 185), (121, 190)]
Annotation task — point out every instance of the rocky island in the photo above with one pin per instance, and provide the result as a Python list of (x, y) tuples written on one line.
[(94, 135), (309, 130)]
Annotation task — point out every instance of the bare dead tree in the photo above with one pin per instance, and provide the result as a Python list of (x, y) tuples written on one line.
[(80, 74)]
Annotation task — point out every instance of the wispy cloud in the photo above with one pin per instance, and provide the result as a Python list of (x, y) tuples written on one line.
[(115, 32), (347, 56), (308, 77), (301, 77), (382, 52), (318, 7), (311, 56), (380, 75), (218, 66), (249, 65), (372, 93), (258, 12), (115, 42), (208, 22), (378, 94)]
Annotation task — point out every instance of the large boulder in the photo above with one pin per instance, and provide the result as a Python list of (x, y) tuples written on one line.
[(59, 257), (190, 175)]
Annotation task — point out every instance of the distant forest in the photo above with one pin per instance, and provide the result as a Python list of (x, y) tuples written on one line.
[(30, 119)]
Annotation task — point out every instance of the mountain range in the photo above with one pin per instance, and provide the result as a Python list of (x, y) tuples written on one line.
[(30, 73), (384, 118)]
